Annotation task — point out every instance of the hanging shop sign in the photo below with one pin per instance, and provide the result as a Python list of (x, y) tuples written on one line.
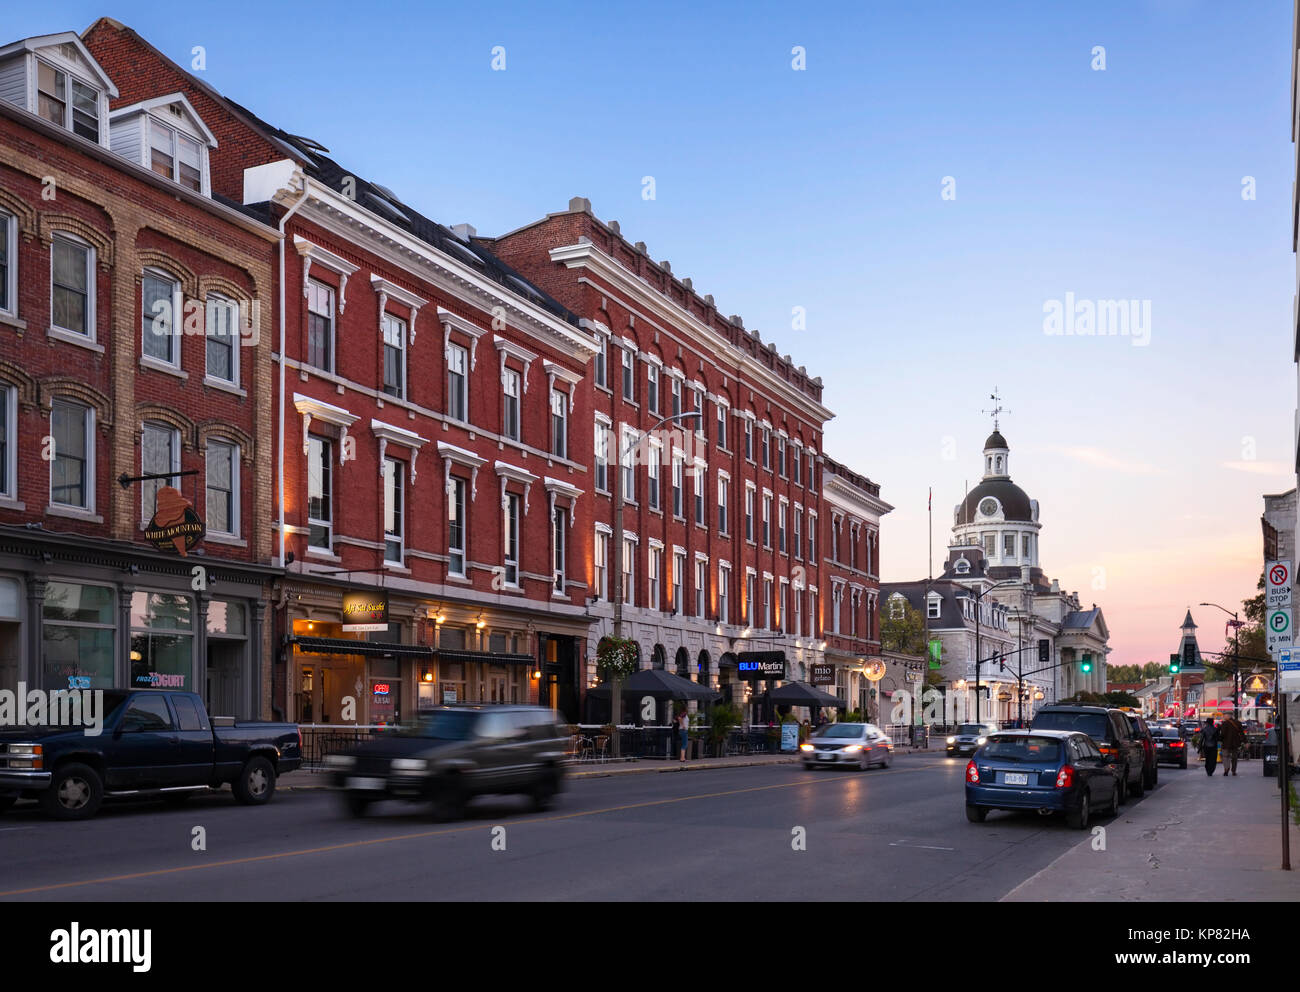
[(175, 526), (823, 674), (752, 666), (364, 612)]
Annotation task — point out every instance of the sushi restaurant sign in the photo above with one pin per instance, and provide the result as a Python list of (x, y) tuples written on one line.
[(364, 612)]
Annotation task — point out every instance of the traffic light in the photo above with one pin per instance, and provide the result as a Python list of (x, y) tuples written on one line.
[(1174, 665), (1002, 661), (1087, 663), (1043, 648)]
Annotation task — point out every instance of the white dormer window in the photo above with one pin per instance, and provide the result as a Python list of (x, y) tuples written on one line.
[(175, 155), (165, 135), (55, 77), (66, 101), (935, 604)]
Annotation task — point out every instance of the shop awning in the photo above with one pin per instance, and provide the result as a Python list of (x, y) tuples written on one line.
[(341, 645), (485, 657)]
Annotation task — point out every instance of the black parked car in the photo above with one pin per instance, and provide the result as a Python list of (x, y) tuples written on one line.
[(1111, 731), (152, 742), (454, 753), (1150, 764), (1171, 744)]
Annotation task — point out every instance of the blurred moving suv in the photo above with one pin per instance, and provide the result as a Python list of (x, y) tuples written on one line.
[(1051, 771), (969, 737), (453, 754)]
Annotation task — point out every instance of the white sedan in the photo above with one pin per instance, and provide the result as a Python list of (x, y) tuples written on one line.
[(860, 744)]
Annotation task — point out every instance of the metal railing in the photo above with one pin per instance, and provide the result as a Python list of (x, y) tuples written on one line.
[(322, 739)]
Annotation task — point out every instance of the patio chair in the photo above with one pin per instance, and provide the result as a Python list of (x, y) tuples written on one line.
[(601, 748)]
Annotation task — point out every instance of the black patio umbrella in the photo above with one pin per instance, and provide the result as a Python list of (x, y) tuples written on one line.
[(803, 694), (661, 685)]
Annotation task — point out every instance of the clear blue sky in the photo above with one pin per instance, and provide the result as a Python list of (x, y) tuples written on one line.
[(821, 189)]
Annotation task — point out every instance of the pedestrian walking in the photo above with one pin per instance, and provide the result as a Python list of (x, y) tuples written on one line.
[(683, 732), (1232, 735), (1210, 745)]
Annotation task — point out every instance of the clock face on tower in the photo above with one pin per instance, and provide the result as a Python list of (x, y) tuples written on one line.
[(988, 507)]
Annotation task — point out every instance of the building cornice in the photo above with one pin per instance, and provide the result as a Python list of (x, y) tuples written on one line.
[(586, 255), (348, 220)]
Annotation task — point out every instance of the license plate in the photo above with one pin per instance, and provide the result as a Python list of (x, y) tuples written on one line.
[(369, 784), (1017, 778), (825, 756)]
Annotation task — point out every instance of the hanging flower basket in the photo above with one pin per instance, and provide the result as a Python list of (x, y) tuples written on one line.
[(616, 656)]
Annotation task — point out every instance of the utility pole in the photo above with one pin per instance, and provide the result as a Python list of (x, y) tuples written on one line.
[(979, 602)]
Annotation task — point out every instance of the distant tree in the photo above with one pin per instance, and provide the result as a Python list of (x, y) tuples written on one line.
[(906, 634)]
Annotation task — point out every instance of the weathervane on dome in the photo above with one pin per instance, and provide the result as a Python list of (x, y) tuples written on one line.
[(997, 407)]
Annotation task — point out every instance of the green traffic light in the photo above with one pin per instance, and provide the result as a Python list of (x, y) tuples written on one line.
[(1087, 664)]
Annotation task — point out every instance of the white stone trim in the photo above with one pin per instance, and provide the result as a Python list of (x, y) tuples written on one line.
[(387, 290), (506, 347), (328, 412), (310, 252), (450, 320), (398, 435)]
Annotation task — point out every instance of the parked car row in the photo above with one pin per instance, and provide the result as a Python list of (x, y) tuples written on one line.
[(1073, 760)]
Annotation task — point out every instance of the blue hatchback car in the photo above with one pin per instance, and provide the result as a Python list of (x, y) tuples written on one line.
[(1052, 771)]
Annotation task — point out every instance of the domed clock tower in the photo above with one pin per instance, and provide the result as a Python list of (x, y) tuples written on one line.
[(999, 517)]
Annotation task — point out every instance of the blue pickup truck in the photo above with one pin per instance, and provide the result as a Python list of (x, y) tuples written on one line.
[(152, 742)]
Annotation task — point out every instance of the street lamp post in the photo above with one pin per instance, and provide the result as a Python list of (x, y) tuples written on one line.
[(1236, 654), (615, 683)]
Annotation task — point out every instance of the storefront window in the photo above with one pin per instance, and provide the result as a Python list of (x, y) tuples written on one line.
[(162, 641), (10, 628), (77, 635), (226, 619)]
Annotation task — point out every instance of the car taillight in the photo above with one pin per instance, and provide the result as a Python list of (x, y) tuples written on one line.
[(1176, 744), (1065, 777), (972, 773)]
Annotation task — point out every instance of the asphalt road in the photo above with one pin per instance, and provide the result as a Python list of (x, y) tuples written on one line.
[(891, 834)]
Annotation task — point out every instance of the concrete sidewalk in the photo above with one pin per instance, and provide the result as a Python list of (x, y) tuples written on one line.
[(1195, 837)]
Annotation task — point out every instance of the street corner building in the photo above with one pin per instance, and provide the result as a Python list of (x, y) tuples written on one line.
[(134, 341), (270, 433), (1035, 643)]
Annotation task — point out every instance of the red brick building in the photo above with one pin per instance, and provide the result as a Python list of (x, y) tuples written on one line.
[(134, 339), (433, 423), (725, 525)]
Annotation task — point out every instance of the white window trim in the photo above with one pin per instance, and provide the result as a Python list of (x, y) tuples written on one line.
[(447, 353), (176, 322), (326, 524), (146, 516), (9, 396), (311, 408), (399, 468), (68, 333), (236, 517), (9, 232), (235, 341), (463, 550), (403, 349)]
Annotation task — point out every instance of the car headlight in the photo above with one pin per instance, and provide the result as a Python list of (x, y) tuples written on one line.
[(339, 761), (853, 748), (805, 747), (409, 764), (24, 749), (981, 741), (952, 740)]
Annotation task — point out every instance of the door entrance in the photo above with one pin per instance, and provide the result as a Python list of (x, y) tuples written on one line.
[(227, 695)]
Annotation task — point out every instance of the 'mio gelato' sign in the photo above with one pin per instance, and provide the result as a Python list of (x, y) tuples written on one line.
[(175, 523)]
